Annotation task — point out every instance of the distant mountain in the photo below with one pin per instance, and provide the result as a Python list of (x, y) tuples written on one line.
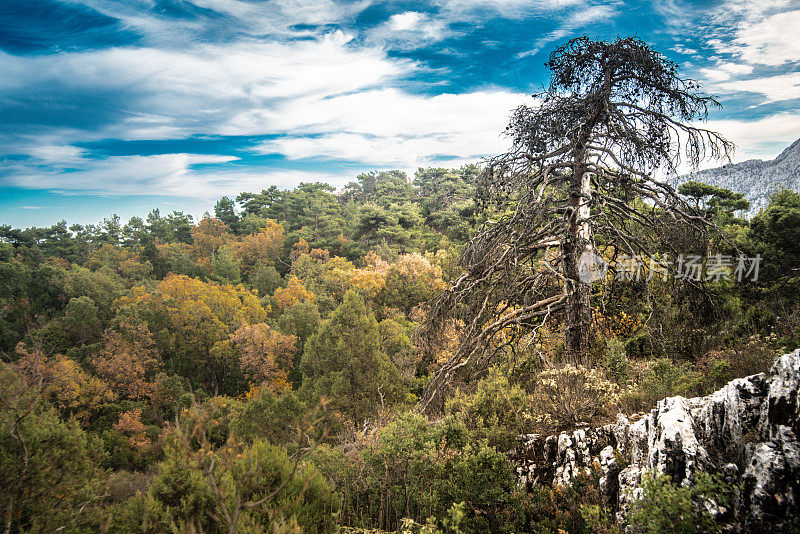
[(756, 178)]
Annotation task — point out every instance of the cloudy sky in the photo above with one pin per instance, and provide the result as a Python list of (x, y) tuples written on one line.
[(122, 106)]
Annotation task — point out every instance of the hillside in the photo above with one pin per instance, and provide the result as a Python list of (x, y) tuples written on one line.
[(756, 178)]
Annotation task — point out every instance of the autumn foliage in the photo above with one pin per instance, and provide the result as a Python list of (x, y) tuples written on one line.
[(294, 292), (128, 360), (265, 354)]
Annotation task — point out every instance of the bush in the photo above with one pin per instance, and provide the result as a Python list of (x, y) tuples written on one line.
[(615, 360), (578, 508), (207, 488), (667, 507), (497, 410), (569, 395), (652, 382), (268, 416), (415, 468)]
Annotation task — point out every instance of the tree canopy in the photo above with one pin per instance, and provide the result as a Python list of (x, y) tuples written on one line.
[(581, 173)]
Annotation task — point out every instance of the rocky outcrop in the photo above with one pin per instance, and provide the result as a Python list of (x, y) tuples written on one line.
[(755, 178), (747, 431)]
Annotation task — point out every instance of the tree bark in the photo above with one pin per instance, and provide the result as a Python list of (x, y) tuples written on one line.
[(578, 242)]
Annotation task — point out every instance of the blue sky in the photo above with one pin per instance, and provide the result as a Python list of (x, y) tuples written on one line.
[(124, 106)]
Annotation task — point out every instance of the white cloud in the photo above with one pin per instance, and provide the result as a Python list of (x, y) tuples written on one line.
[(771, 41), (577, 19), (507, 8), (168, 174), (163, 174), (327, 88), (212, 89), (757, 32), (724, 71), (409, 30), (406, 21), (760, 138), (62, 155), (390, 127), (272, 17), (774, 88)]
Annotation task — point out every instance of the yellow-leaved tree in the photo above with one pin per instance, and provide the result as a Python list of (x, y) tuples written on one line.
[(263, 247), (265, 355), (207, 237), (294, 292), (193, 321), (129, 359)]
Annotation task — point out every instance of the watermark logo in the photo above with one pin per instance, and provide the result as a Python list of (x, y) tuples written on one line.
[(591, 267)]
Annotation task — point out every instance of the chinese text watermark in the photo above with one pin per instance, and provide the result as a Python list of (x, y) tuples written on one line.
[(694, 267)]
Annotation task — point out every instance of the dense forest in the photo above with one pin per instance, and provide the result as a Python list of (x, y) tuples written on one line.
[(261, 369), (168, 373)]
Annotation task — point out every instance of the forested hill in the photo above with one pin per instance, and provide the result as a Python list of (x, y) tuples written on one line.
[(755, 178), (380, 209), (260, 369)]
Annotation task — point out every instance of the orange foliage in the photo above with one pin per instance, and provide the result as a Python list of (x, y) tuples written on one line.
[(129, 360), (299, 248), (64, 382), (320, 254), (265, 354), (263, 247), (370, 280), (58, 262), (293, 293), (122, 261), (208, 236), (335, 276), (206, 308), (621, 325), (411, 280), (130, 425)]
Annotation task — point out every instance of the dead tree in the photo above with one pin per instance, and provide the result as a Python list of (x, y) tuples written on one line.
[(585, 175)]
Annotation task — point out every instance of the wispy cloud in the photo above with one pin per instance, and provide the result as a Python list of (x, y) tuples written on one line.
[(774, 88), (340, 85), (762, 138), (575, 20)]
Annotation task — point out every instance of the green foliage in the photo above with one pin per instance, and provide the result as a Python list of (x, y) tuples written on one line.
[(616, 361), (718, 202), (497, 410), (48, 467), (344, 362), (266, 279), (775, 235), (302, 319), (418, 469), (182, 492), (224, 268), (570, 394), (396, 344), (238, 487), (667, 507), (577, 508), (268, 416)]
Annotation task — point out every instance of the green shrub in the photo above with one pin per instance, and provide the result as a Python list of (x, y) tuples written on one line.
[(497, 410), (577, 508), (667, 507), (257, 484), (615, 360), (268, 416)]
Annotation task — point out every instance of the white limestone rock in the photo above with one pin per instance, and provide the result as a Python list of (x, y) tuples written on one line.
[(750, 426)]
